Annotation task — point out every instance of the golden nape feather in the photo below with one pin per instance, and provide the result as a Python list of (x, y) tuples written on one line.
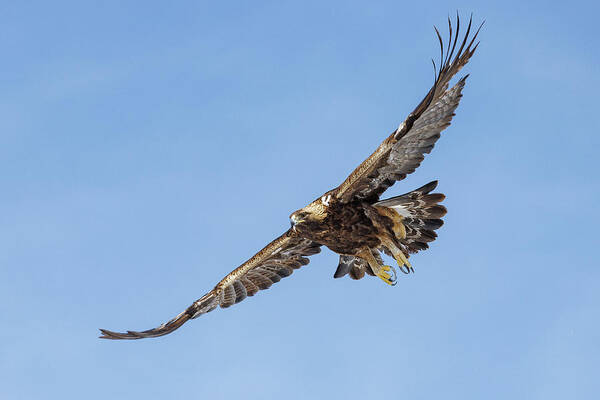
[(351, 219)]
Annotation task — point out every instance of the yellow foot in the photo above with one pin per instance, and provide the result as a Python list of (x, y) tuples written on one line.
[(403, 263), (383, 274)]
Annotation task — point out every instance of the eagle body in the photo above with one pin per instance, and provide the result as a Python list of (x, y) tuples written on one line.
[(345, 228), (351, 219), (360, 230)]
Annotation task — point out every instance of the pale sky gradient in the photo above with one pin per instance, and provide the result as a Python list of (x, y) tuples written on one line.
[(148, 149)]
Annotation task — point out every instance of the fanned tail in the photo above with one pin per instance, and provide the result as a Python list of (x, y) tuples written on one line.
[(421, 215)]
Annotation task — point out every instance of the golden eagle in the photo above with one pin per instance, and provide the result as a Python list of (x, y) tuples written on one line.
[(351, 220)]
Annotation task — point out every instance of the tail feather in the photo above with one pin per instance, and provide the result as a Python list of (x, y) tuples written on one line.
[(430, 224), (421, 214)]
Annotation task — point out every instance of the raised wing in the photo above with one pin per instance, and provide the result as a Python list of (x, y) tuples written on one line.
[(277, 260), (402, 152)]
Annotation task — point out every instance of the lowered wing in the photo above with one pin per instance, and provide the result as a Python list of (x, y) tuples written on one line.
[(277, 260)]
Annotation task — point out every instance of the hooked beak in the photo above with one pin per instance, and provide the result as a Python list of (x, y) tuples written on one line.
[(294, 219)]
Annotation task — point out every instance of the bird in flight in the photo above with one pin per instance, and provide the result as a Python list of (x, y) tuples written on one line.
[(351, 219)]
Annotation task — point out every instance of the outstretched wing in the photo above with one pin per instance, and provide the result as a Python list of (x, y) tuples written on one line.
[(277, 260), (402, 152)]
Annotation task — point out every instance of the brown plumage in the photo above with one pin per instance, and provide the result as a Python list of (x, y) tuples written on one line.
[(350, 219)]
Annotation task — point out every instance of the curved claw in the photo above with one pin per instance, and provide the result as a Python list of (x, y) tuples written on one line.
[(406, 269), (390, 279), (403, 263)]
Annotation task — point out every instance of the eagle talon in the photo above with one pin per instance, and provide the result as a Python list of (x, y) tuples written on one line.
[(383, 274), (403, 263)]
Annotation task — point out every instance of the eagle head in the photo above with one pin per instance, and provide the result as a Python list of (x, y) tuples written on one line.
[(313, 213)]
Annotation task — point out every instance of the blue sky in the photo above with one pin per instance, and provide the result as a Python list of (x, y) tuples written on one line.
[(146, 150)]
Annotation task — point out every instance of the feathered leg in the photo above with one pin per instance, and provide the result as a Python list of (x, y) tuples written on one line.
[(399, 231), (385, 272)]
